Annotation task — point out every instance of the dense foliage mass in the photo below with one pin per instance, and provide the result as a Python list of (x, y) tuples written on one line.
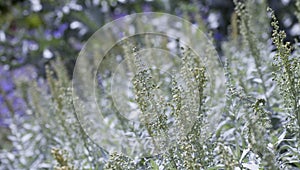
[(258, 128)]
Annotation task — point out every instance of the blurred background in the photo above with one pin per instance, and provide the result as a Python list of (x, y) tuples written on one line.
[(34, 32)]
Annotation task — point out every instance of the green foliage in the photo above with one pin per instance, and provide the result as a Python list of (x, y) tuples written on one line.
[(287, 75)]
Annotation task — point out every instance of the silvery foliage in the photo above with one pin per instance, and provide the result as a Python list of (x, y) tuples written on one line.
[(259, 127)]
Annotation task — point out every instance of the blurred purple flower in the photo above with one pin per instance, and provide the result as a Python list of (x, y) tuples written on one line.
[(26, 73), (20, 60), (218, 36), (17, 102), (48, 34), (6, 84), (118, 15), (4, 114), (8, 81), (147, 8), (59, 32), (18, 105)]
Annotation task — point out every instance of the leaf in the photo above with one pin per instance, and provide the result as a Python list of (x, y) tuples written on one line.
[(154, 165), (219, 166), (10, 156), (245, 152), (26, 137), (297, 163), (280, 138), (251, 166), (223, 126)]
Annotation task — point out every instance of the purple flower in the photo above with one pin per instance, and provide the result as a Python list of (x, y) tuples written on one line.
[(147, 8), (4, 114), (17, 103), (118, 15), (6, 83), (60, 31), (12, 98), (48, 34), (218, 36), (26, 73)]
